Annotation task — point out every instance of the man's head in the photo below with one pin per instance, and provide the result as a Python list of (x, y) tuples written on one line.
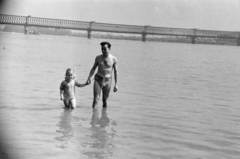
[(106, 46)]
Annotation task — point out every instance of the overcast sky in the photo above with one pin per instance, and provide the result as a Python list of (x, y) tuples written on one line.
[(201, 14)]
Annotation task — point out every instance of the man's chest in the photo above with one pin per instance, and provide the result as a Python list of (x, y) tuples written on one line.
[(106, 63)]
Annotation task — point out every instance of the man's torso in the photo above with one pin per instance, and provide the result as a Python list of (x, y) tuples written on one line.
[(105, 65)]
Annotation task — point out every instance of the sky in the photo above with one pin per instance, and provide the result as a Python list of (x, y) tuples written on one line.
[(201, 14)]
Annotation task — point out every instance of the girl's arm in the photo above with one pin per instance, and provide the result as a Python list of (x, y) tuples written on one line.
[(61, 94), (81, 85), (61, 90)]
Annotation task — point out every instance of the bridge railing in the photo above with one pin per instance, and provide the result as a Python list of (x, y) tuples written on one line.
[(14, 19), (119, 28), (35, 21), (169, 31), (217, 34)]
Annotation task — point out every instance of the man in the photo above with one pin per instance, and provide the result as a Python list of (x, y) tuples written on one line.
[(103, 78)]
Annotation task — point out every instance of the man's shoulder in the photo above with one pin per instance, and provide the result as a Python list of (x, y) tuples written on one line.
[(98, 57), (114, 58)]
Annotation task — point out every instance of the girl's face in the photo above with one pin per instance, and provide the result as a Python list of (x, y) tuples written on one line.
[(69, 76)]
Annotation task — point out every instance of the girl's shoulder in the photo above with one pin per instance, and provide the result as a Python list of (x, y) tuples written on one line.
[(73, 81), (64, 82)]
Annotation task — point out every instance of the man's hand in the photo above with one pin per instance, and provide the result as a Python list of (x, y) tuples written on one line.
[(115, 89), (88, 81)]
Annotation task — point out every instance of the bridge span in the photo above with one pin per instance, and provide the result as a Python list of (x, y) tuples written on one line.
[(90, 27)]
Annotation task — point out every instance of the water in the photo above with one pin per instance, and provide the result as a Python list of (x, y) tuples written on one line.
[(175, 101)]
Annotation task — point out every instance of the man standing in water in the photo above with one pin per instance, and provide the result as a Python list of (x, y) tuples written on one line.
[(103, 78)]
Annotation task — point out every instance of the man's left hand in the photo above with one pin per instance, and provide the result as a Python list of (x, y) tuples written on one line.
[(115, 89), (88, 82)]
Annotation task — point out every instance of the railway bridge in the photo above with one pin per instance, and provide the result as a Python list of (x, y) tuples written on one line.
[(28, 21)]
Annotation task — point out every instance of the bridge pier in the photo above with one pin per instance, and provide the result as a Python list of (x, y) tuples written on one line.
[(26, 31), (144, 37), (89, 30), (193, 39), (144, 33), (238, 41)]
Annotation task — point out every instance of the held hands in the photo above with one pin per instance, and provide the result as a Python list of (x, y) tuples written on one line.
[(115, 89), (88, 82)]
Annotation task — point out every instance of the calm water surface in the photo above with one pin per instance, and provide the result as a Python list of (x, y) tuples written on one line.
[(175, 101)]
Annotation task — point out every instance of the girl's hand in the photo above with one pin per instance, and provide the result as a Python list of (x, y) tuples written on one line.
[(88, 82)]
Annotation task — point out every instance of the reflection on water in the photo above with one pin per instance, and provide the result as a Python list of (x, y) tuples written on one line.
[(97, 140), (65, 128), (101, 137)]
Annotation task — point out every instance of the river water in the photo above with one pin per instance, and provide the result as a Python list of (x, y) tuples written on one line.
[(175, 101)]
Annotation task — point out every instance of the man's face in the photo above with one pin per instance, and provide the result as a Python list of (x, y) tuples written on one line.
[(105, 50)]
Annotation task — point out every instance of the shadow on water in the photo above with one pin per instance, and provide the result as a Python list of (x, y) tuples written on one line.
[(65, 127), (101, 137)]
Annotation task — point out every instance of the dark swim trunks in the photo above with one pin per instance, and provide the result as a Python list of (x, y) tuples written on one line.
[(103, 82)]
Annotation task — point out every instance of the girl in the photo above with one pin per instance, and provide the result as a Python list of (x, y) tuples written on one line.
[(67, 89)]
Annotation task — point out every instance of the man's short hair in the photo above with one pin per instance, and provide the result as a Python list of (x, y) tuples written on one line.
[(106, 43)]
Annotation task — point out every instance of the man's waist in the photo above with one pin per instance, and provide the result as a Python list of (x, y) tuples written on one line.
[(106, 76)]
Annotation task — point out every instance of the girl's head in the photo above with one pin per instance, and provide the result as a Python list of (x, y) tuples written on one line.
[(69, 74)]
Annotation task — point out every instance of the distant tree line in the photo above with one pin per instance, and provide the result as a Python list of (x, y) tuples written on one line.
[(36, 30)]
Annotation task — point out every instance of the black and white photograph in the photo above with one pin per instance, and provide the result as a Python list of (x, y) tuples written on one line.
[(120, 79)]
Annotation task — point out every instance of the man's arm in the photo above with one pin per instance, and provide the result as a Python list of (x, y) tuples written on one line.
[(115, 69), (92, 71)]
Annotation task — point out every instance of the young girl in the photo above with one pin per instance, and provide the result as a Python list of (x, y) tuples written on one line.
[(67, 89)]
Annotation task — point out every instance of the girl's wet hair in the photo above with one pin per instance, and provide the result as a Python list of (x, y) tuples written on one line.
[(69, 70), (106, 43)]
